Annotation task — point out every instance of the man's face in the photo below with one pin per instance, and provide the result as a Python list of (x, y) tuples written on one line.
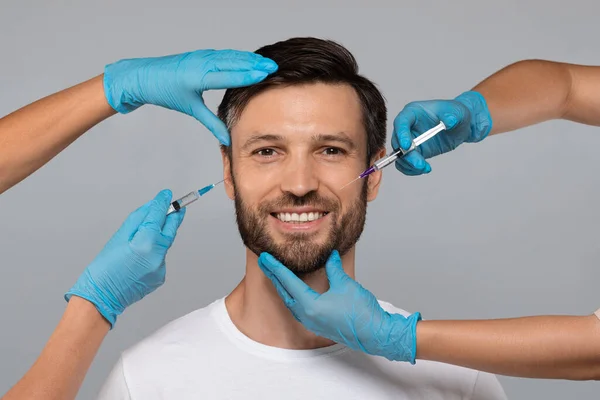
[(293, 148)]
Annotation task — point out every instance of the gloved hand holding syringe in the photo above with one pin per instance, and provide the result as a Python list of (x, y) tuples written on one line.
[(190, 198), (387, 160)]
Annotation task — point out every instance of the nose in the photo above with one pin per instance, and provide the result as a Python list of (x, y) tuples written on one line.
[(299, 177)]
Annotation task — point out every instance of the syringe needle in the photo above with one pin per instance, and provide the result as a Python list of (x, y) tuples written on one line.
[(208, 188), (352, 181)]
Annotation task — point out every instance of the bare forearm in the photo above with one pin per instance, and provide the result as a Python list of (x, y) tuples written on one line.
[(557, 347), (63, 364), (34, 134), (533, 91)]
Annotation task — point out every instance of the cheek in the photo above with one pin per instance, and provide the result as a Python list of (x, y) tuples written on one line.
[(339, 172), (350, 195), (252, 185), (334, 177)]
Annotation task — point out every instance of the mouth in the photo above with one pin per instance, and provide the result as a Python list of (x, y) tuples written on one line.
[(292, 217)]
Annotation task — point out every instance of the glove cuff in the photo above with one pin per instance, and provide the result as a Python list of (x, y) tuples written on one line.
[(105, 303), (115, 93), (412, 323), (405, 337), (481, 119)]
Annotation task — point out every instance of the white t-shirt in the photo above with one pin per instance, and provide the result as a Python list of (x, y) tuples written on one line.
[(203, 355)]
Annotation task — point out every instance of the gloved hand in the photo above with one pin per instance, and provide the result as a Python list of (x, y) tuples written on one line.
[(132, 264), (177, 81), (467, 119), (347, 313)]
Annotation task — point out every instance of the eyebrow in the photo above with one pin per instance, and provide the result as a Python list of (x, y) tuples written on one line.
[(340, 137), (261, 138)]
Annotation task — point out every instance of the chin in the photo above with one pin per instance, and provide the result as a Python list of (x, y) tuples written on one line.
[(299, 256)]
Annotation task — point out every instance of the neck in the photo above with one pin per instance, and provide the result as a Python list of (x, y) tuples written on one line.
[(259, 313)]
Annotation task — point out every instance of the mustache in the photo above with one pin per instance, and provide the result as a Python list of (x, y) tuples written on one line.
[(309, 199)]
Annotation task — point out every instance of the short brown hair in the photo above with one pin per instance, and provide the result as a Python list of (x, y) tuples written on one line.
[(304, 60)]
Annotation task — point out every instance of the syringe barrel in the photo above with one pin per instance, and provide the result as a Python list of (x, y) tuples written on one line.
[(182, 202), (385, 161)]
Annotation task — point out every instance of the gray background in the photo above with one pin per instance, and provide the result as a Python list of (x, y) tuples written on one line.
[(503, 228)]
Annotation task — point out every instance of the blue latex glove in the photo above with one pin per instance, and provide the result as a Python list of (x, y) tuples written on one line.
[(347, 313), (132, 264), (467, 119), (177, 82)]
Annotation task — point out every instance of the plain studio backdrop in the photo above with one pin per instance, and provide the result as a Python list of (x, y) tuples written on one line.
[(503, 228)]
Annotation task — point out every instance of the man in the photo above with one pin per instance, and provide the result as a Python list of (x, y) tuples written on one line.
[(295, 137), (132, 264)]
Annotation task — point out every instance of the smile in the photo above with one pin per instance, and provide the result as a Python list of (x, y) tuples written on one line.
[(298, 218)]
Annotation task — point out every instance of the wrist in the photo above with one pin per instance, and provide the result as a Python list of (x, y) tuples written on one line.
[(86, 314), (480, 117), (108, 315), (425, 335), (117, 81)]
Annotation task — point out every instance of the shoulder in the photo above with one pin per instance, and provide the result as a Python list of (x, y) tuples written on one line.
[(196, 329), (167, 357)]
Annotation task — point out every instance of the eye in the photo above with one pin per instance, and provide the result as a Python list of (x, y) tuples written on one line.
[(334, 151), (266, 152)]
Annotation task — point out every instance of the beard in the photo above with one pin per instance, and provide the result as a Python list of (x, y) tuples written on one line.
[(298, 251)]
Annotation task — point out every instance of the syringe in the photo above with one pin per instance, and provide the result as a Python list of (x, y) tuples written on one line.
[(387, 160), (190, 198)]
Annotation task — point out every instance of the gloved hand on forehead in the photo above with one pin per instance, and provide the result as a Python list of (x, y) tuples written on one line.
[(177, 82), (132, 264), (347, 313), (467, 120)]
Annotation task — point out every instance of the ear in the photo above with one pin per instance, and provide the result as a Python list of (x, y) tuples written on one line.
[(374, 180), (229, 189)]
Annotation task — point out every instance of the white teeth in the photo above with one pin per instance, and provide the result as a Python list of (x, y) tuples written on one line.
[(299, 218)]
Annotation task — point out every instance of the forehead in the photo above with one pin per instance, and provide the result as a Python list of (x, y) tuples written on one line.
[(298, 110)]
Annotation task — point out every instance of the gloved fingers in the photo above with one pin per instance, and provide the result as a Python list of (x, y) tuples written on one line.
[(333, 268), (134, 220), (413, 164), (406, 168), (234, 79), (157, 214), (299, 290), (410, 164), (210, 121), (403, 124), (285, 296), (418, 162), (451, 118), (172, 224), (236, 60)]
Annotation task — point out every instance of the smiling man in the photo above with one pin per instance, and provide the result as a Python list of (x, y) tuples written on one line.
[(296, 137), (292, 149)]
